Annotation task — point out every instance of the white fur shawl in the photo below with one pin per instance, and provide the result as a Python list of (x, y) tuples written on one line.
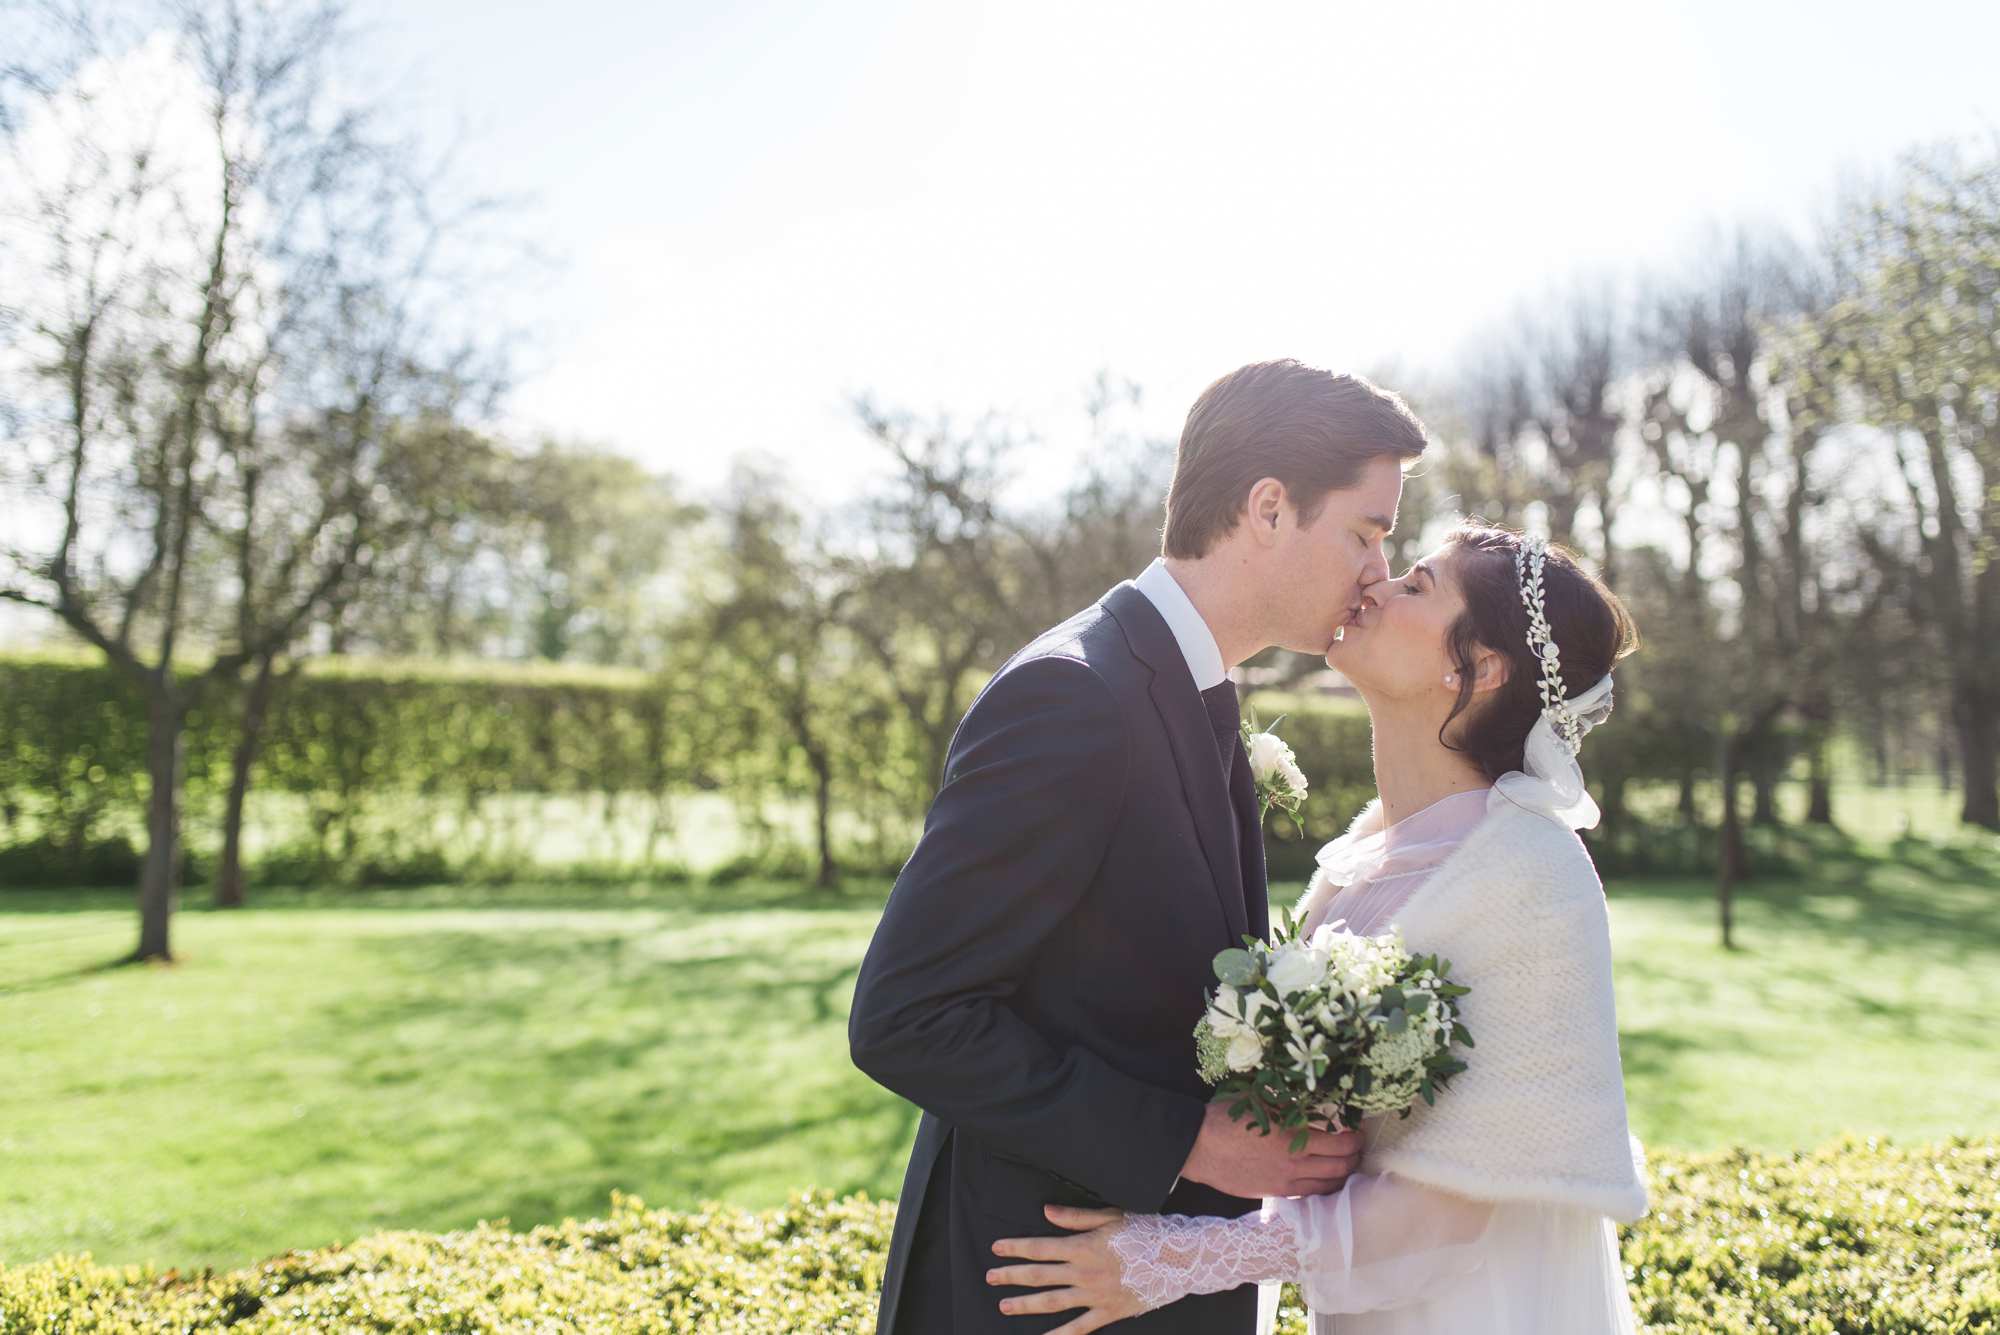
[(1539, 1115)]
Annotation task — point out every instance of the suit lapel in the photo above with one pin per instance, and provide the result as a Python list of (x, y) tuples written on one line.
[(1193, 744), (1256, 890)]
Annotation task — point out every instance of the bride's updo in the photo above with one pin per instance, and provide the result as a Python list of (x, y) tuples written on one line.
[(1591, 627)]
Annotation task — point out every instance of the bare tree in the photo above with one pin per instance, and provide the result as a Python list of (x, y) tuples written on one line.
[(1107, 525), (226, 272), (943, 581), (1912, 344), (776, 614), (1492, 409), (414, 469)]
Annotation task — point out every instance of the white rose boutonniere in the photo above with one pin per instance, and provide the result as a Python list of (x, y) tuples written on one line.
[(1275, 770)]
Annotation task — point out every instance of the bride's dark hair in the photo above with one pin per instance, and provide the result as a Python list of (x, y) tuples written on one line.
[(1591, 627)]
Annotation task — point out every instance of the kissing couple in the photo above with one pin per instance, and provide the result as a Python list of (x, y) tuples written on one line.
[(1045, 957)]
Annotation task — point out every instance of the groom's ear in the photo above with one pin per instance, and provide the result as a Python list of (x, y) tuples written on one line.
[(1263, 506)]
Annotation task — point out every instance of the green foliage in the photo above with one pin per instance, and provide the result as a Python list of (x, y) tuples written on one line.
[(1332, 745), (377, 758), (812, 1266), (374, 753), (1857, 1236)]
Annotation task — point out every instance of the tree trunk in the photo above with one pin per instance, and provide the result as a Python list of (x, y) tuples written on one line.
[(1764, 803), (1976, 715), (823, 816), (1686, 804), (1607, 557), (256, 706), (159, 872), (1732, 858), (1819, 762), (1819, 803), (1614, 801)]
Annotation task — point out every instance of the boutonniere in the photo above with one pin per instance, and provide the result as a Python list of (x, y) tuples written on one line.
[(1275, 771)]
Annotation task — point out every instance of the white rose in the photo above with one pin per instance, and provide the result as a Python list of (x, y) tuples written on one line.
[(1245, 1051), (1255, 1003), (1325, 936), (1296, 969), (1295, 778), (1267, 754), (1222, 1017)]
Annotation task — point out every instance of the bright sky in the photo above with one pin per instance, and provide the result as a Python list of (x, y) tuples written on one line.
[(760, 210), (763, 208)]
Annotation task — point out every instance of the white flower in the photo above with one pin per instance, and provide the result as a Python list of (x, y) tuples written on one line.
[(1245, 1051), (1272, 760), (1294, 777), (1255, 1003), (1296, 968), (1222, 1019), (1266, 752), (1234, 1011), (1324, 935), (1399, 1054)]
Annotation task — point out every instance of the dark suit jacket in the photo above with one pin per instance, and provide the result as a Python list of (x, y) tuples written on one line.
[(1043, 960)]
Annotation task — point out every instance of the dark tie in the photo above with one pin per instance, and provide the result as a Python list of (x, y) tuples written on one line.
[(1226, 718)]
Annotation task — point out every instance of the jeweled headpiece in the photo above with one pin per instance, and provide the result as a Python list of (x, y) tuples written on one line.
[(1529, 558)]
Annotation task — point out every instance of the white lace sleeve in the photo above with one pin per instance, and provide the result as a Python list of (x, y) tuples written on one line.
[(1165, 1257), (1380, 1241)]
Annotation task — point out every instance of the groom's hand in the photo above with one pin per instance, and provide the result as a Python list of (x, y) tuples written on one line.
[(1235, 1157)]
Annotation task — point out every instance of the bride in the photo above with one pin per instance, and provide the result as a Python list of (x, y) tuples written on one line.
[(1492, 1210)]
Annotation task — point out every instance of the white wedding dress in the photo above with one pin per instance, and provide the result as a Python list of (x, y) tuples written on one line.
[(1389, 1255)]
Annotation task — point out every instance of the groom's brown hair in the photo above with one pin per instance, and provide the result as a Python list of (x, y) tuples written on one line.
[(1312, 430)]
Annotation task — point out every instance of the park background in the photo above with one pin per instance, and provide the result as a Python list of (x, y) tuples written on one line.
[(500, 516)]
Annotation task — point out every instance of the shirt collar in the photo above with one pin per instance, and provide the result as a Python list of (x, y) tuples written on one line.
[(1191, 633)]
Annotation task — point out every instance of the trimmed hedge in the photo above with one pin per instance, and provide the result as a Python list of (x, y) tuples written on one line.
[(377, 752), (1855, 1237), (381, 754)]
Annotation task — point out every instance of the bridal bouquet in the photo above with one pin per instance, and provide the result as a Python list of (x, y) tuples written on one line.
[(1324, 1031)]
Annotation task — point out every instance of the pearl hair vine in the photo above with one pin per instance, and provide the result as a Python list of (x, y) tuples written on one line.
[(1529, 559)]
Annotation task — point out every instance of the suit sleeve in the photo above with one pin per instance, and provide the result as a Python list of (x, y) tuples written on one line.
[(1032, 791)]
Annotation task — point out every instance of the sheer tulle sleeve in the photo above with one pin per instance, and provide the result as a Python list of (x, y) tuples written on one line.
[(1378, 1242), (1381, 1241)]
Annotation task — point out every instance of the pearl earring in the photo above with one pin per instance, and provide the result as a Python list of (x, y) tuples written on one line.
[(1450, 679)]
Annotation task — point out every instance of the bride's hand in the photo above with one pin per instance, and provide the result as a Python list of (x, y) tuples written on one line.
[(1079, 1270)]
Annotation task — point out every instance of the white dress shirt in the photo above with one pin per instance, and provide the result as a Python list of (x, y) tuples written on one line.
[(1191, 633)]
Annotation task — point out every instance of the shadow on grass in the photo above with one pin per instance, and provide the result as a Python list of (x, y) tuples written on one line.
[(63, 977), (666, 1062), (1820, 881), (742, 896)]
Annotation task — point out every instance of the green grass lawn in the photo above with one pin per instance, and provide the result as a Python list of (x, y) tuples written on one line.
[(320, 1067), (307, 1072)]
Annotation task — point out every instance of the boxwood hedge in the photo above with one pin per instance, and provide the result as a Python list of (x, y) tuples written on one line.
[(1854, 1237)]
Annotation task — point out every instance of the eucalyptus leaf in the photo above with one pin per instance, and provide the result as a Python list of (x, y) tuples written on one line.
[(1238, 968)]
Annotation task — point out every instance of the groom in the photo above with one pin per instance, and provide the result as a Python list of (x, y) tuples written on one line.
[(1038, 972)]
